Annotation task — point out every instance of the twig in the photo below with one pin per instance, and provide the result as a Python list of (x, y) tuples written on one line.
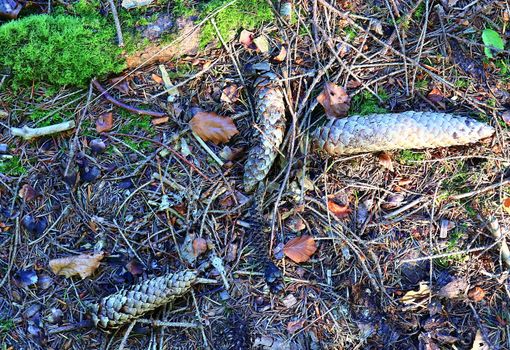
[(157, 323), (498, 235), (207, 149), (71, 327), (120, 39), (129, 108), (28, 133), (127, 333), (482, 190)]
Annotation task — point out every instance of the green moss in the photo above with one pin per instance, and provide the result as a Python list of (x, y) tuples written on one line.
[(60, 49), (135, 123), (12, 166), (243, 14), (419, 11), (50, 118), (452, 246), (6, 325), (408, 157), (462, 83), (366, 103), (422, 85), (183, 8)]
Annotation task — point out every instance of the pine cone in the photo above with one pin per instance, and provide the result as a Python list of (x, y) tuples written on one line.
[(131, 303), (268, 135), (408, 130)]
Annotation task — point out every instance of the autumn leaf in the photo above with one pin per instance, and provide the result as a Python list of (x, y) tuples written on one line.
[(230, 94), (212, 127), (300, 249), (506, 204), (415, 298), (246, 39), (454, 289), (281, 55), (341, 211), (435, 95), (199, 246), (385, 161), (83, 265), (104, 122), (335, 100), (294, 326), (157, 78), (262, 44), (27, 193), (476, 294), (159, 121)]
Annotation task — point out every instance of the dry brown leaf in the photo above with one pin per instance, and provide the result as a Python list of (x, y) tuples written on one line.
[(104, 122), (281, 55), (157, 78), (414, 297), (296, 224), (199, 246), (294, 326), (27, 193), (506, 204), (476, 294), (212, 127), (83, 265), (454, 289), (230, 94), (300, 249), (159, 121), (246, 39), (262, 44), (385, 161), (435, 95), (135, 268), (335, 100), (341, 211)]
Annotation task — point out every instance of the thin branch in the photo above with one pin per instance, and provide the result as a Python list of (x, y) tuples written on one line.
[(29, 133)]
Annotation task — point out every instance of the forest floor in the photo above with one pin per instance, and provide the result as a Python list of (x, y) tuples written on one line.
[(405, 254)]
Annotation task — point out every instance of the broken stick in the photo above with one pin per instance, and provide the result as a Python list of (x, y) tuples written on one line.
[(29, 133)]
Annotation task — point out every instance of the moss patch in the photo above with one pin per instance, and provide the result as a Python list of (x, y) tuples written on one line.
[(60, 49), (12, 166), (244, 14), (366, 103)]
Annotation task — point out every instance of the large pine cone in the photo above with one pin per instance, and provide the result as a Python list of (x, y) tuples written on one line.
[(408, 130)]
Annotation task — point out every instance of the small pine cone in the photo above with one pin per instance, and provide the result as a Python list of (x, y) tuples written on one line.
[(131, 303), (408, 130), (268, 135)]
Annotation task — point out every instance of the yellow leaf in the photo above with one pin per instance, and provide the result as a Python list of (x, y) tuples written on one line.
[(83, 265)]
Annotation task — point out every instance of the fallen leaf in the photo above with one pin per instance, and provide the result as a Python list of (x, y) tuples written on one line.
[(506, 204), (300, 249), (289, 301), (159, 121), (294, 326), (27, 193), (335, 100), (352, 84), (104, 122), (385, 161), (476, 294), (394, 201), (454, 289), (479, 343), (435, 95), (506, 117), (199, 246), (246, 39), (262, 44), (157, 78), (212, 127), (414, 297), (296, 224), (281, 55), (83, 265), (493, 42), (231, 252), (341, 211), (230, 94), (135, 268)]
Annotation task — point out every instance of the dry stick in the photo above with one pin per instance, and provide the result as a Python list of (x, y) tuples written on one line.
[(129, 108), (175, 153), (498, 235), (482, 190), (28, 133), (127, 333), (117, 23)]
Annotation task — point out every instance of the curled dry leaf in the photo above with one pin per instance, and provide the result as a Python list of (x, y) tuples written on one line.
[(476, 294), (435, 95), (281, 55), (83, 265), (246, 39), (212, 127), (335, 100), (199, 246), (454, 289), (27, 193), (159, 121), (300, 249), (341, 211), (506, 204), (104, 122), (294, 326), (413, 298), (230, 94), (385, 160)]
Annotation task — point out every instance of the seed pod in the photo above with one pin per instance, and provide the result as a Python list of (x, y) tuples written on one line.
[(408, 130), (268, 135), (131, 303)]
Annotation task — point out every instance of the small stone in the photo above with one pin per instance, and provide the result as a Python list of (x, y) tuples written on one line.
[(97, 146)]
